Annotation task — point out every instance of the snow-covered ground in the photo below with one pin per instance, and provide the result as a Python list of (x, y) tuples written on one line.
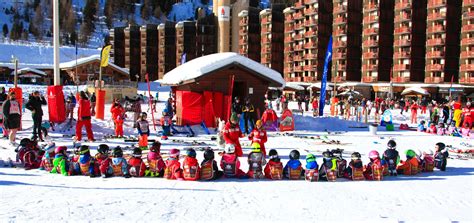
[(436, 197)]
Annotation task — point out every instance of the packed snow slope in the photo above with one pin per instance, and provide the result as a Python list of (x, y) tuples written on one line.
[(435, 197)]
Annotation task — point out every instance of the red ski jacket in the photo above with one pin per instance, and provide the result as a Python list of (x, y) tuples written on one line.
[(139, 166), (117, 112), (84, 109), (276, 165), (173, 169), (259, 136), (232, 135)]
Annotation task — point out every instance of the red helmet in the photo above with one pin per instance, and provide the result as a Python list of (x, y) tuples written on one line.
[(174, 152), (374, 154), (60, 149)]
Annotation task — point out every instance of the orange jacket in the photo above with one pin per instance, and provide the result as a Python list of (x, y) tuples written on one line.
[(408, 167)]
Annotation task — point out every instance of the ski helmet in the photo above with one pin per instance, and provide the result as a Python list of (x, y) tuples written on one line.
[(155, 147), (103, 149), (441, 146), (84, 149), (410, 154), (191, 153), (60, 149), (258, 123), (374, 154), (391, 144), (143, 114), (355, 156), (25, 142), (310, 158), (273, 152), (256, 147), (209, 154), (327, 154), (174, 152), (118, 152), (137, 152), (229, 148), (294, 155), (234, 118)]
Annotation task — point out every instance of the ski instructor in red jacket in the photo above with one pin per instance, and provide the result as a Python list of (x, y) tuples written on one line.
[(232, 134), (84, 118)]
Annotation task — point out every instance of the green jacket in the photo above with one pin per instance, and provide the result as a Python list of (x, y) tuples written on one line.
[(60, 163)]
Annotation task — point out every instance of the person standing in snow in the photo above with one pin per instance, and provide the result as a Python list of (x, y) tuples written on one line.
[(70, 105), (34, 105), (3, 98), (248, 110), (232, 134), (84, 114), (118, 116), (93, 101), (236, 107), (11, 116)]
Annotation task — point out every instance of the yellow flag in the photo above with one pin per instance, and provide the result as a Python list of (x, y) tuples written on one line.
[(104, 55)]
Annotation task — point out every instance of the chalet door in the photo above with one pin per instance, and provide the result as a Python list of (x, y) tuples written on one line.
[(240, 90)]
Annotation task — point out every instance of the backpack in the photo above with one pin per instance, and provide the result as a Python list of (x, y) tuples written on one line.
[(168, 173), (117, 169), (255, 162), (153, 166), (207, 170), (190, 172), (341, 166), (377, 172), (358, 174), (230, 168), (85, 168), (276, 171), (311, 175), (428, 164), (414, 169), (136, 169), (294, 174)]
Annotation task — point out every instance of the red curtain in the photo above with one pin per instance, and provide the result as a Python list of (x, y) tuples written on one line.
[(218, 105), (208, 110), (191, 107), (57, 109)]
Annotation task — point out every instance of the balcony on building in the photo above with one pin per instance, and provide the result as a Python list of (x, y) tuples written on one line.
[(403, 5), (339, 44), (468, 15), (401, 55), (370, 19), (369, 79), (298, 16), (468, 28), (370, 43), (436, 16), (466, 78), (467, 68), (339, 55), (402, 30), (370, 31), (310, 67), (467, 54), (370, 7), (339, 9), (436, 3), (340, 20), (434, 54), (308, 2), (310, 22), (298, 47), (299, 26), (401, 67), (310, 45), (467, 41), (369, 55), (369, 67), (309, 34), (298, 37), (400, 79), (402, 42), (436, 29), (433, 80), (310, 56), (297, 58), (468, 2), (310, 11), (402, 17), (434, 67), (435, 42), (288, 49), (338, 79)]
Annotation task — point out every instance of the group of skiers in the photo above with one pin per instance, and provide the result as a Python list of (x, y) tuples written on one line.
[(115, 163)]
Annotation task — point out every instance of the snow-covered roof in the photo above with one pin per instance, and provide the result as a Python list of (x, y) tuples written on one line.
[(204, 65), (294, 86), (27, 70), (415, 90)]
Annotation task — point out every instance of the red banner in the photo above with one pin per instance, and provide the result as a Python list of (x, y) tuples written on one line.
[(100, 104), (56, 107), (287, 122)]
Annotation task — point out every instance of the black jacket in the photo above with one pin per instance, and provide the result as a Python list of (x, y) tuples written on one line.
[(34, 104), (237, 108)]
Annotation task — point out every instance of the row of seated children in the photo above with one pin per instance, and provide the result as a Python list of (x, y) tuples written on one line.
[(333, 165), (441, 130)]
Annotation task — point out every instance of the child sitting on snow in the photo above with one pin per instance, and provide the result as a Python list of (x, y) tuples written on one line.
[(432, 129), (341, 162), (441, 156), (230, 163), (103, 161), (256, 160), (355, 169), (165, 124), (391, 157), (209, 168), (173, 169), (119, 164), (60, 162), (466, 131), (427, 161), (311, 172), (48, 157), (143, 130), (293, 169), (441, 131), (374, 169), (84, 164), (274, 168), (410, 166), (136, 165), (156, 165), (29, 154), (421, 127), (259, 135), (191, 169), (328, 169)]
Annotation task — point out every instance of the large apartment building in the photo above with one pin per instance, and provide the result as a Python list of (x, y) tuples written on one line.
[(466, 72)]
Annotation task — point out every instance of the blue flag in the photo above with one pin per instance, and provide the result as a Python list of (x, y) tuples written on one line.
[(76, 49), (322, 98), (183, 58)]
